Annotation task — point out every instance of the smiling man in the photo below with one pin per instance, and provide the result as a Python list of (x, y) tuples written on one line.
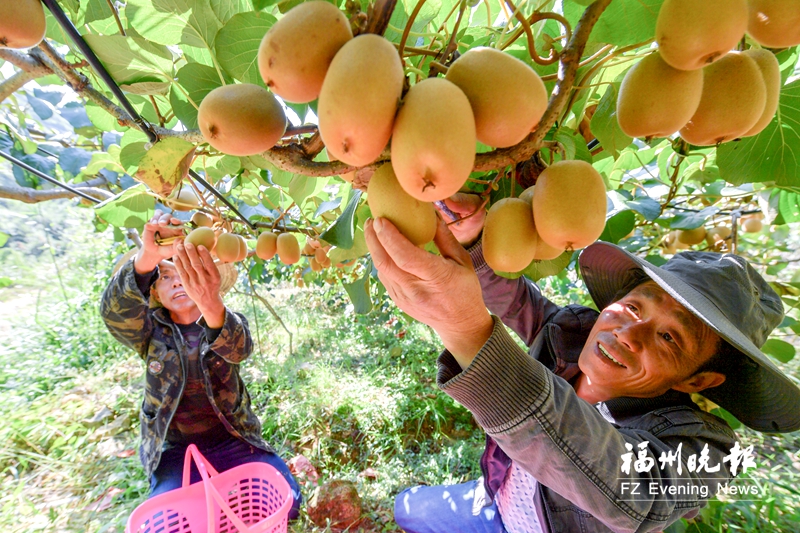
[(172, 314), (596, 391)]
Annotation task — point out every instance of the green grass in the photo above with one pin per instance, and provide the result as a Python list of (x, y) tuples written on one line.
[(357, 392)]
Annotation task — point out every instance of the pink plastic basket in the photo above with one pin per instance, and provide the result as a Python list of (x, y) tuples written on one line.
[(250, 498)]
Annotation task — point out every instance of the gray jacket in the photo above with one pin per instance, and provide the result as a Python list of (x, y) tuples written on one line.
[(533, 416)]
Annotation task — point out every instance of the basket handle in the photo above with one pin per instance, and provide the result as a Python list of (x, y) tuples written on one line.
[(203, 466)]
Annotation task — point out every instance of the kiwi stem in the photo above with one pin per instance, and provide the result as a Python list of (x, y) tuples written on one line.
[(407, 29), (116, 17), (452, 45), (161, 120)]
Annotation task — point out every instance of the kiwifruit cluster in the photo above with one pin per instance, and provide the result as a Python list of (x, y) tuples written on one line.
[(694, 83)]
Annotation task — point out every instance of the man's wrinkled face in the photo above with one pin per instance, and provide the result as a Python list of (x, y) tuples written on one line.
[(168, 289), (645, 344)]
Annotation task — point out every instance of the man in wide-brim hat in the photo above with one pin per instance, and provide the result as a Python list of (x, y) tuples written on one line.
[(577, 426), (173, 315)]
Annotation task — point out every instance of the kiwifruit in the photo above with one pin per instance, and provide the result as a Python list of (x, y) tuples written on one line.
[(716, 237), (507, 96), (242, 249), (201, 219), (569, 204), (774, 23), (433, 142), (752, 225), (509, 236), (314, 264), (656, 100), (386, 198), (22, 23), (241, 119), (527, 194), (544, 252), (771, 71), (202, 237), (295, 53), (320, 254), (692, 34), (228, 247), (267, 245), (359, 98), (691, 236), (734, 98), (288, 248), (183, 199)]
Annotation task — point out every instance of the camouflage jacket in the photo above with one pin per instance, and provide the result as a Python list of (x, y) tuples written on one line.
[(156, 338)]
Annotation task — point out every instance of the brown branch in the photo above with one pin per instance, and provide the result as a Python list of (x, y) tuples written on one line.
[(33, 196), (379, 14), (116, 17), (74, 79), (14, 83), (23, 61)]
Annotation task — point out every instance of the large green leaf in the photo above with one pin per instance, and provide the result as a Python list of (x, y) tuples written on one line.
[(237, 45), (130, 59), (191, 22), (623, 23), (340, 233), (132, 208), (773, 154)]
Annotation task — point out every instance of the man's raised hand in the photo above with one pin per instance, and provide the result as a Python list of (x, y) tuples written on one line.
[(440, 291)]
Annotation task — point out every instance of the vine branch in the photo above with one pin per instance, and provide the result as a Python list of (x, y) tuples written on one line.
[(34, 196)]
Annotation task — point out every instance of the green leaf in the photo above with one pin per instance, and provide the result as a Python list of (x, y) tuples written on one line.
[(604, 123), (734, 423), (132, 60), (3, 239), (618, 227), (340, 233), (789, 206), (237, 45), (165, 165), (5, 282), (191, 22), (624, 22), (692, 219), (647, 207), (225, 9), (773, 154), (358, 291), (196, 81), (780, 350), (132, 208), (133, 144)]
